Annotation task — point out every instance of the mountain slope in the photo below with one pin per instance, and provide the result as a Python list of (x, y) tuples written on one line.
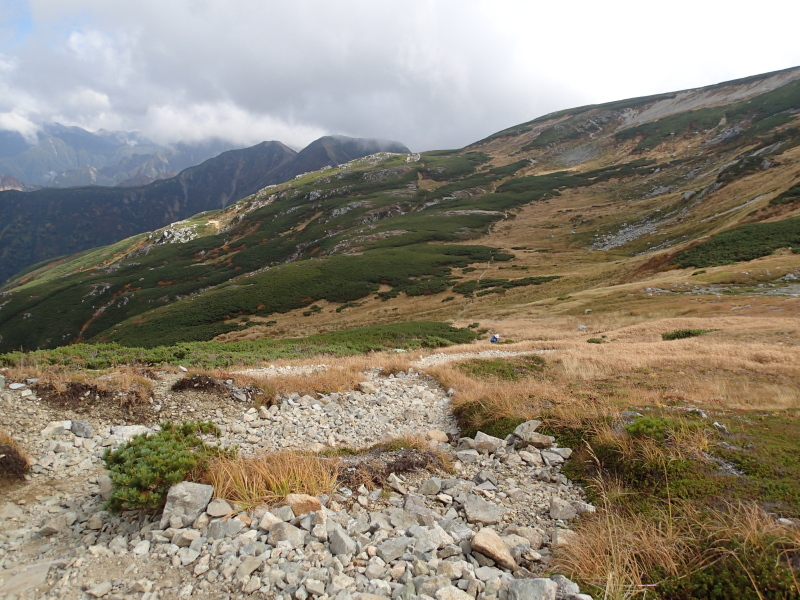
[(594, 198), (52, 222)]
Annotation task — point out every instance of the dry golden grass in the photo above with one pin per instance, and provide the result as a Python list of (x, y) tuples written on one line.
[(267, 478), (619, 549)]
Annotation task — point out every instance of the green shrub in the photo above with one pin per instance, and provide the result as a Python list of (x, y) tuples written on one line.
[(746, 242), (143, 469), (787, 197), (680, 334), (596, 341)]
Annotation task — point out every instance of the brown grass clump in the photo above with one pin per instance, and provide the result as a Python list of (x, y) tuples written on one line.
[(267, 478), (14, 463)]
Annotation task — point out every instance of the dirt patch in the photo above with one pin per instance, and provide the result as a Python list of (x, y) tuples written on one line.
[(199, 383), (373, 468), (91, 400)]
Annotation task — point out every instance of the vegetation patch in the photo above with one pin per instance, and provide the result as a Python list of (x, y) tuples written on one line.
[(509, 369), (743, 243), (789, 196), (143, 469), (680, 334), (14, 463), (209, 355)]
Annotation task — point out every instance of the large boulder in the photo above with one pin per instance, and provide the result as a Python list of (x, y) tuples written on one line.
[(527, 435), (186, 500)]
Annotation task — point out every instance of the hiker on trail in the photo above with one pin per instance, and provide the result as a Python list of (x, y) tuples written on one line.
[(495, 338)]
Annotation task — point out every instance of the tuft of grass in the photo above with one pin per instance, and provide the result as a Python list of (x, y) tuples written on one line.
[(267, 478), (509, 369)]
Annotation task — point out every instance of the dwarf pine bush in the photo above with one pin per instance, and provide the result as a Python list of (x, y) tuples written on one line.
[(143, 469)]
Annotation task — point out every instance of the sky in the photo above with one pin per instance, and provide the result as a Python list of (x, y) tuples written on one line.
[(433, 74)]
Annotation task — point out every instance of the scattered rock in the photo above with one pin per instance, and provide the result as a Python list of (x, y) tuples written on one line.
[(488, 543), (302, 504), (186, 501)]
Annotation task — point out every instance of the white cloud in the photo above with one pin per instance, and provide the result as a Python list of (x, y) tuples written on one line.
[(432, 73)]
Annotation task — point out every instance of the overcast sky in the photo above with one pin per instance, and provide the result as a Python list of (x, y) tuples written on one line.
[(430, 73)]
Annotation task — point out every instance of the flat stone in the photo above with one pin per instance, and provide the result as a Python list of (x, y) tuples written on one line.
[(284, 513), (468, 456), (394, 548), (479, 510), (185, 537), (124, 433), (367, 387), (100, 590), (186, 500), (27, 577), (106, 486), (218, 508), (532, 589), (561, 509), (532, 458), (529, 533), (488, 543), (56, 428), (302, 504)]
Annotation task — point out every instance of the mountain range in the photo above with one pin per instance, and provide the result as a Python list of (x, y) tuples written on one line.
[(64, 156), (49, 222), (679, 187)]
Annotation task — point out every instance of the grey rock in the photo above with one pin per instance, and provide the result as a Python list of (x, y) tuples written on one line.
[(106, 486), (82, 428), (221, 528), (244, 570), (2, 383), (532, 589), (124, 433), (431, 487), (458, 530), (561, 509), (284, 513), (184, 537), (479, 510), (468, 456), (186, 500), (487, 443), (393, 548), (341, 543), (566, 587), (284, 532)]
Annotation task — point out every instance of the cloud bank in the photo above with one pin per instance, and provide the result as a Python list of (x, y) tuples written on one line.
[(430, 73)]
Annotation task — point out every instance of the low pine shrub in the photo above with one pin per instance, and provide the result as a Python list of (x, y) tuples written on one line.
[(680, 334), (143, 469)]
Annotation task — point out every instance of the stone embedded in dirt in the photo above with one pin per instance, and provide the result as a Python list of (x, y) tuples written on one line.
[(479, 510), (488, 543), (218, 508), (16, 386), (302, 504), (561, 509), (367, 387), (82, 428), (487, 443), (9, 510), (100, 590), (56, 428), (125, 433), (186, 500), (532, 589), (95, 522)]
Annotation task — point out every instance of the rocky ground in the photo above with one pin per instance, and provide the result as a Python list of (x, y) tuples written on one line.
[(484, 531)]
